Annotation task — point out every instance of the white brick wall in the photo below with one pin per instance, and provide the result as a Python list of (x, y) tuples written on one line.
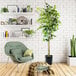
[(59, 45)]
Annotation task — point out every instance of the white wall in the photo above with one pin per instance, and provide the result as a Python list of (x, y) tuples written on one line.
[(59, 45)]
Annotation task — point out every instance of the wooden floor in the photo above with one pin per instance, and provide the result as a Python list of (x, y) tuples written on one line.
[(60, 69)]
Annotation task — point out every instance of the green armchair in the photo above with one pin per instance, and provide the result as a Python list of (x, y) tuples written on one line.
[(16, 52)]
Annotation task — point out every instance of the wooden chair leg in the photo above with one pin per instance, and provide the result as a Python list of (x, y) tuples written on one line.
[(17, 67), (37, 73), (22, 67), (7, 61)]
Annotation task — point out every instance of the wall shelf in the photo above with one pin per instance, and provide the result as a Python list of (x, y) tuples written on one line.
[(7, 38), (17, 13), (15, 25)]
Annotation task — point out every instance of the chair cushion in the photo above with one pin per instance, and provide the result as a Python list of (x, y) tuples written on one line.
[(17, 53), (25, 59), (28, 53)]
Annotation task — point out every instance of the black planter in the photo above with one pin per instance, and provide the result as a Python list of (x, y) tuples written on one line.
[(49, 59)]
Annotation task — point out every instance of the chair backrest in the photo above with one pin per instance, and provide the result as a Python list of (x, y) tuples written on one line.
[(14, 45)]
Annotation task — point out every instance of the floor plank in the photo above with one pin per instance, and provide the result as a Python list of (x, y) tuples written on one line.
[(68, 69), (14, 71), (11, 70), (60, 72), (73, 69), (65, 71), (55, 70), (5, 70)]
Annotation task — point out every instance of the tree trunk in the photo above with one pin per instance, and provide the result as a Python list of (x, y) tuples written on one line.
[(49, 48)]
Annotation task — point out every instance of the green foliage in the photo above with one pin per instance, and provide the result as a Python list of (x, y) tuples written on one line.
[(49, 21), (73, 46), (13, 20), (29, 32), (4, 9)]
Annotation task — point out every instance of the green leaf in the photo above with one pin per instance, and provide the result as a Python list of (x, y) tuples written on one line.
[(54, 6), (40, 27), (29, 32), (40, 9)]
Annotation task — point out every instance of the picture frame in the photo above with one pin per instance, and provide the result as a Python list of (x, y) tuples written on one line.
[(12, 8)]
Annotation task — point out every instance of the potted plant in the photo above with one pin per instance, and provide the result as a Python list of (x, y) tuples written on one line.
[(49, 22), (4, 9), (71, 60), (28, 33), (12, 21)]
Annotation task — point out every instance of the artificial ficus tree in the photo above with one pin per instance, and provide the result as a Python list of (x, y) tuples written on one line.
[(49, 22)]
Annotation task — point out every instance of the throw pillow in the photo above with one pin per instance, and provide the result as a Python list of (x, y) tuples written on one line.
[(28, 52)]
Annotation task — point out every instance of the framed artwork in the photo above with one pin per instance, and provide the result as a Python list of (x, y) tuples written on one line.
[(12, 8)]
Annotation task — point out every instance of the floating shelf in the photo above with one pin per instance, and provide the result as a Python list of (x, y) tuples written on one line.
[(7, 38), (17, 13), (15, 25)]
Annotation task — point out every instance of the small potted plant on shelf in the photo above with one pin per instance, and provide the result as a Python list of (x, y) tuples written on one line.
[(71, 60), (28, 33), (4, 9), (49, 23), (12, 21), (29, 9)]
